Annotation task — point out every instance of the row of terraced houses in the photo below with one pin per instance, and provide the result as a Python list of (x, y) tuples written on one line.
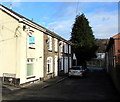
[(30, 52)]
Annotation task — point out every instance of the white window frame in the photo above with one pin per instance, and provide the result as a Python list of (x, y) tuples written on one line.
[(30, 61), (61, 63), (66, 64), (50, 63), (69, 49), (61, 47), (56, 65), (56, 44), (49, 43), (66, 48), (70, 62)]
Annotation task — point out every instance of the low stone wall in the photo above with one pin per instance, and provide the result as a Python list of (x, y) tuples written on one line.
[(11, 81)]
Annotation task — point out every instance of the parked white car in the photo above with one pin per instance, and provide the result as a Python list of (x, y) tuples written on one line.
[(76, 71)]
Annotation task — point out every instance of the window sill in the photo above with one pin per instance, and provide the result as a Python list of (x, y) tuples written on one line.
[(56, 51), (31, 48), (49, 73), (66, 53), (50, 50), (29, 77)]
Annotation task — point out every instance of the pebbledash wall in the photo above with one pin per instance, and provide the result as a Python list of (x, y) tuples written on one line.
[(29, 52)]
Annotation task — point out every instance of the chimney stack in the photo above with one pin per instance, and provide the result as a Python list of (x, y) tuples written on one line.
[(11, 6)]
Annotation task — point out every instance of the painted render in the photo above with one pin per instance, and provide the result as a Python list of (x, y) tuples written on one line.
[(19, 52), (15, 51)]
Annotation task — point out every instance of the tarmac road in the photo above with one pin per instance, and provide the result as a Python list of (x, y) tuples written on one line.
[(97, 86)]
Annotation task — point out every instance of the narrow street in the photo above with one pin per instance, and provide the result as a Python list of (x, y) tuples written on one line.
[(96, 86)]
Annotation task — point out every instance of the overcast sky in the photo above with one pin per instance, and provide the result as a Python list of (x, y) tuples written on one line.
[(59, 16)]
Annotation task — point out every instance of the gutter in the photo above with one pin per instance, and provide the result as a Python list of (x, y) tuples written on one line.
[(12, 14)]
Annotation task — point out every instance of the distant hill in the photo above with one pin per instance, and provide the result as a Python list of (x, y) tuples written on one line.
[(102, 43)]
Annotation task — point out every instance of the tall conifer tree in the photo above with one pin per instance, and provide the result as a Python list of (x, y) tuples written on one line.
[(84, 45)]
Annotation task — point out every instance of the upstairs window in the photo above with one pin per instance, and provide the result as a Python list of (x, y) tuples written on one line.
[(56, 44), (65, 48), (61, 46), (49, 43), (69, 49)]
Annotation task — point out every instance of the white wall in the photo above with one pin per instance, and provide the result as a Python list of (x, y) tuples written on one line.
[(13, 47)]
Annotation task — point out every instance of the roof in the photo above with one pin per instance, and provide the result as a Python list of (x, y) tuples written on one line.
[(116, 36), (111, 41), (25, 20), (102, 43)]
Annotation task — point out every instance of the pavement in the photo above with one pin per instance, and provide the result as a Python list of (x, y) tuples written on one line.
[(6, 89)]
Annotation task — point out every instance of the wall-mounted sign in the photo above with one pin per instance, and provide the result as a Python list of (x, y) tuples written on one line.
[(31, 40)]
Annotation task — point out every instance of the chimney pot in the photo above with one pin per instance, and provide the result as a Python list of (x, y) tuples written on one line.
[(11, 6)]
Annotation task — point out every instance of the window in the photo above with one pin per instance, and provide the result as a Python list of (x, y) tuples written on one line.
[(69, 49), (49, 43), (61, 63), (49, 65), (70, 62), (56, 44), (61, 46), (65, 64), (64, 47), (30, 66)]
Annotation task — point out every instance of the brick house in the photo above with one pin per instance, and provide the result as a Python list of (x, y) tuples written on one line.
[(113, 60), (113, 52)]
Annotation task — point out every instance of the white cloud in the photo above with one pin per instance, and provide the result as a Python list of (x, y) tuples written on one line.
[(45, 18), (104, 24), (62, 28)]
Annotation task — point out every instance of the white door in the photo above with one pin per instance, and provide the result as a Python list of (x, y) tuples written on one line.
[(56, 65), (70, 62), (65, 64)]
